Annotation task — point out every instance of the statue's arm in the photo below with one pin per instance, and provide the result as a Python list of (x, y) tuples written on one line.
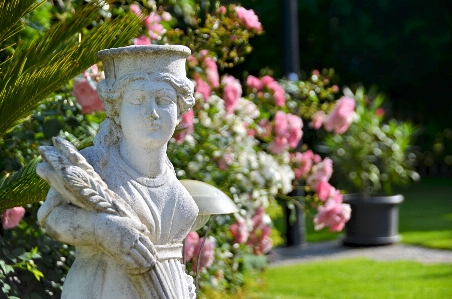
[(65, 222), (122, 238)]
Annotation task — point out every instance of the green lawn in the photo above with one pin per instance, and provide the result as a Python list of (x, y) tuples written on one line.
[(358, 278), (425, 219), (425, 215)]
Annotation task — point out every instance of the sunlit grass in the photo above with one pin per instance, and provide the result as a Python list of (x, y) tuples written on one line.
[(359, 278)]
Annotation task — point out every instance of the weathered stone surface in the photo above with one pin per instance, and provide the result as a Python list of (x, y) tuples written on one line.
[(119, 201)]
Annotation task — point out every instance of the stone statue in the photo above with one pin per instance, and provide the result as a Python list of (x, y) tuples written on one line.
[(119, 202)]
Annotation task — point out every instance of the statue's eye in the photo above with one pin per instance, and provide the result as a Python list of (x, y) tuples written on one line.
[(135, 100), (164, 100)]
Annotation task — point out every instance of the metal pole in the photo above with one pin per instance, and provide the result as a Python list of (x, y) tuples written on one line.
[(295, 230), (291, 48)]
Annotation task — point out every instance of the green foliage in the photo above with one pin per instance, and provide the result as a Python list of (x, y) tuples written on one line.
[(11, 12), (373, 154)]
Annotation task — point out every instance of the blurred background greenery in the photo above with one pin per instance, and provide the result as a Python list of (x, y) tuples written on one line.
[(402, 47)]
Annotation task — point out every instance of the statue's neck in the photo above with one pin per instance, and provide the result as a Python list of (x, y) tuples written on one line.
[(148, 162)]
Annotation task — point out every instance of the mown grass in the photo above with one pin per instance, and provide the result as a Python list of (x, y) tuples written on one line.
[(358, 278)]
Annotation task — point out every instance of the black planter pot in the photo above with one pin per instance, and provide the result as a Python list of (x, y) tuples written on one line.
[(374, 221)]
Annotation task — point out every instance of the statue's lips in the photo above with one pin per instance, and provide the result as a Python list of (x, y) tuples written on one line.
[(152, 126)]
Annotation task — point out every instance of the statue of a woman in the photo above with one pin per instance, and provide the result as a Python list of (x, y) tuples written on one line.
[(119, 202)]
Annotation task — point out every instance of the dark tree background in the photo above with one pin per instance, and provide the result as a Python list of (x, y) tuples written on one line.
[(403, 47)]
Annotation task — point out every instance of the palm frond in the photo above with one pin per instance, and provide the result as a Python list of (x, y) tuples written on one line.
[(23, 187), (11, 11), (39, 67)]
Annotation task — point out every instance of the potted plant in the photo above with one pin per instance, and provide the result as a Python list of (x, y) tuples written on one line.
[(370, 158)]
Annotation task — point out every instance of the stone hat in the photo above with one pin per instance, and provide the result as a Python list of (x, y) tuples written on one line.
[(118, 62)]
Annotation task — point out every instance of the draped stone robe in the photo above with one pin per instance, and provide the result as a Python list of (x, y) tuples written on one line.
[(162, 204)]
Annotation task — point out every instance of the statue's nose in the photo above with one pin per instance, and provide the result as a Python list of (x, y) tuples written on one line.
[(152, 110)]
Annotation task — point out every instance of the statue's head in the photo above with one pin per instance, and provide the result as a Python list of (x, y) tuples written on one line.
[(145, 89)]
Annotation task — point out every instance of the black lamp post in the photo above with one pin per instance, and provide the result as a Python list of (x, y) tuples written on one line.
[(295, 230)]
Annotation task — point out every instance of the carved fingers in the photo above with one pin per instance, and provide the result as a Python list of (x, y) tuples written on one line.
[(126, 241)]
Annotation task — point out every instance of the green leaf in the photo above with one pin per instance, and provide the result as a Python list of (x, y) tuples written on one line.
[(6, 268)]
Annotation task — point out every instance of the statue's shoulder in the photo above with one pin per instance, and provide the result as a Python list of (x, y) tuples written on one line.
[(92, 155)]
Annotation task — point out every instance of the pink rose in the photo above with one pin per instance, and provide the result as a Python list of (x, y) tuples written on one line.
[(191, 241), (254, 83), (333, 214), (266, 80), (143, 40), (324, 190), (317, 120), (239, 231), (222, 10), (231, 93), (202, 87), (281, 126), (249, 18), (278, 93), (186, 125), (212, 72), (278, 145), (303, 163), (320, 172), (135, 9), (341, 117), (295, 130), (288, 132), (86, 96), (207, 256), (155, 29), (12, 217)]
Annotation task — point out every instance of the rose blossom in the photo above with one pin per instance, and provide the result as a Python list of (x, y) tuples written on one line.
[(295, 129), (324, 190), (143, 40), (186, 125), (303, 163), (278, 93), (333, 214), (266, 80), (254, 83), (191, 241), (135, 9), (86, 96), (207, 256), (317, 120), (212, 72), (320, 172), (12, 217), (202, 87), (231, 93), (341, 117), (249, 18), (155, 29), (287, 132), (239, 231)]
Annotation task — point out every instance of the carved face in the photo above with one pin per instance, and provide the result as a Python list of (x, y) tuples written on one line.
[(148, 114)]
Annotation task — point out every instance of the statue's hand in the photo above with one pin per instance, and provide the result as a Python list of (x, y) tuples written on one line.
[(126, 241)]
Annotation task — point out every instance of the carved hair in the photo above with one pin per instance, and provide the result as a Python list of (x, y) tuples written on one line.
[(111, 93)]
